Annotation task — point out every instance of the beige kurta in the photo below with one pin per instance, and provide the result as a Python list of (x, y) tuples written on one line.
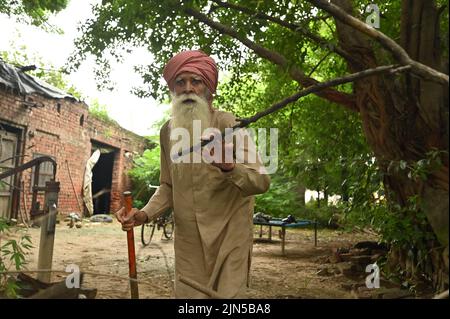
[(213, 214)]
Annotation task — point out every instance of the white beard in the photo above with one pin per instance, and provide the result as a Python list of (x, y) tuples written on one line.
[(184, 115)]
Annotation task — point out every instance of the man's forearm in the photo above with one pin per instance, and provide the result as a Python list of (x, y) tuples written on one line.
[(141, 217), (159, 202)]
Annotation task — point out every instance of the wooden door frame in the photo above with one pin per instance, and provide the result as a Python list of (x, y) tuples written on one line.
[(19, 132)]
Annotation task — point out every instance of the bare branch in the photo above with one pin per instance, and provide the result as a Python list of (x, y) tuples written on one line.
[(275, 57), (320, 86), (292, 26), (318, 64), (397, 51), (391, 69)]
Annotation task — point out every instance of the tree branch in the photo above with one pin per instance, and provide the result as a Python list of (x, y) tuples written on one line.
[(391, 69), (292, 26), (275, 57), (397, 51), (318, 64), (320, 86)]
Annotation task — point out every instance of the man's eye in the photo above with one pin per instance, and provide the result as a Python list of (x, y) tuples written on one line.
[(196, 81), (179, 82)]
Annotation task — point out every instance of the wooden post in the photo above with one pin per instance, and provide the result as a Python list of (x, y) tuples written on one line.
[(48, 223), (131, 251), (283, 239)]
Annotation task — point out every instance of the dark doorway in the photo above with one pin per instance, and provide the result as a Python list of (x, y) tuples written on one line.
[(102, 180)]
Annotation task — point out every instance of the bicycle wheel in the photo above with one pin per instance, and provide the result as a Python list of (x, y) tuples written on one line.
[(168, 228), (147, 231)]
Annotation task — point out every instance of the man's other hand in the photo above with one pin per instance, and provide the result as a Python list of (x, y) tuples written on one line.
[(218, 159), (134, 218)]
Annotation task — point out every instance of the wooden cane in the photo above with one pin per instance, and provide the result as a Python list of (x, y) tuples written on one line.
[(194, 284), (131, 252)]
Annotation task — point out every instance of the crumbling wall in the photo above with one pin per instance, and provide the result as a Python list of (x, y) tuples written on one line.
[(64, 129)]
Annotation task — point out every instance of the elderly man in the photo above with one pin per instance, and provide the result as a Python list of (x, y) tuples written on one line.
[(212, 201)]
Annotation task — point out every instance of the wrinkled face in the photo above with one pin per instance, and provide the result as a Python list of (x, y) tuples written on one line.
[(186, 83)]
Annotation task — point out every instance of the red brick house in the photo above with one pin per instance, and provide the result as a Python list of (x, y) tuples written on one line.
[(37, 119)]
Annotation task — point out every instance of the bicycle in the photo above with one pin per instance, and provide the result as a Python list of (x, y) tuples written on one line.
[(164, 221)]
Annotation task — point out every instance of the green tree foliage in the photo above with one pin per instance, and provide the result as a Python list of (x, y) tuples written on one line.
[(145, 173), (100, 111), (146, 168), (35, 12)]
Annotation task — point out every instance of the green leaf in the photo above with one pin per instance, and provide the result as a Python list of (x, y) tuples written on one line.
[(403, 164)]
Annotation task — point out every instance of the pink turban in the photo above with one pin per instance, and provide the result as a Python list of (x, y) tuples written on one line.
[(194, 61)]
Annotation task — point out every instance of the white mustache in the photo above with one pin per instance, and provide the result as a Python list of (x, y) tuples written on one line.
[(187, 96)]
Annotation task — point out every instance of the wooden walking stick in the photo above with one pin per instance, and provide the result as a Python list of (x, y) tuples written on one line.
[(131, 252)]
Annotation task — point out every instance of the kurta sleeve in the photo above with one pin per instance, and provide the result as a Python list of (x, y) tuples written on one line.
[(248, 180), (249, 175), (162, 199)]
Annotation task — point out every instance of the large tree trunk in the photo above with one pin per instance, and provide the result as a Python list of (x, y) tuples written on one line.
[(404, 118)]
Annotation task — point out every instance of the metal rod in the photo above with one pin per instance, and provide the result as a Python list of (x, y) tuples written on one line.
[(30, 164), (34, 211)]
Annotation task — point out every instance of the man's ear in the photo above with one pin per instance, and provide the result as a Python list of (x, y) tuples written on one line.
[(209, 99)]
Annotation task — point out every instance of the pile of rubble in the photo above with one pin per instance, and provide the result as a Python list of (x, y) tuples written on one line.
[(74, 220), (351, 262), (31, 288)]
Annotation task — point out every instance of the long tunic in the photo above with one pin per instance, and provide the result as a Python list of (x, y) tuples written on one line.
[(213, 213)]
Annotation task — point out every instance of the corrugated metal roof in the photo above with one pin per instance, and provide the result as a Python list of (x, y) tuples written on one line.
[(12, 77)]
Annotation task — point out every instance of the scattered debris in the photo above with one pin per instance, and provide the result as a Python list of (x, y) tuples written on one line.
[(101, 218), (362, 292), (325, 271), (71, 223), (75, 217), (351, 262), (74, 220), (32, 288), (371, 245)]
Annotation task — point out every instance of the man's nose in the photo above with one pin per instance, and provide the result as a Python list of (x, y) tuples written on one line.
[(188, 88)]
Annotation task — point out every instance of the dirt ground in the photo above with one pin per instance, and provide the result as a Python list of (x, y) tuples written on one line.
[(100, 250)]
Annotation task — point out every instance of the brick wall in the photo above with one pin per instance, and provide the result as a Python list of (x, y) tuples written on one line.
[(63, 129)]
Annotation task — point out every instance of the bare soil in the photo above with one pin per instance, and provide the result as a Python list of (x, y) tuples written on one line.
[(100, 250)]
